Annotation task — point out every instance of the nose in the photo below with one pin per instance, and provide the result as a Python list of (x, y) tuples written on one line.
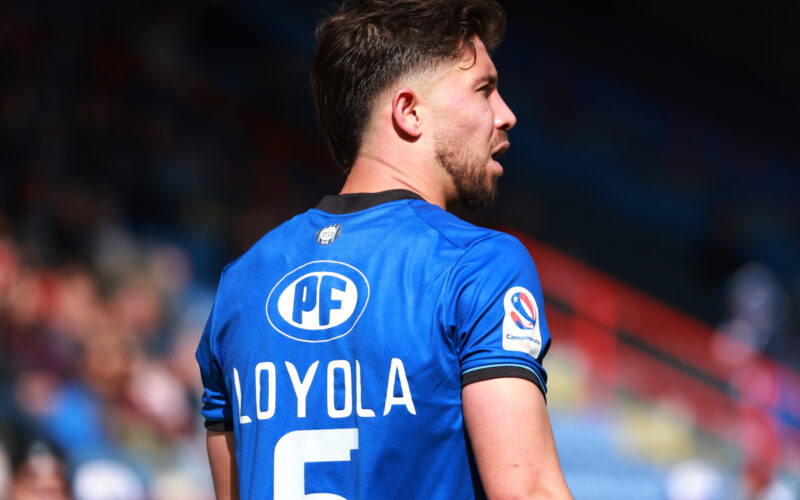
[(504, 118)]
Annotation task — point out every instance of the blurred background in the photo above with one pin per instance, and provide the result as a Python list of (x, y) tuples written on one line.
[(654, 174)]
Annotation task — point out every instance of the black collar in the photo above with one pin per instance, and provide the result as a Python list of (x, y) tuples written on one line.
[(346, 203)]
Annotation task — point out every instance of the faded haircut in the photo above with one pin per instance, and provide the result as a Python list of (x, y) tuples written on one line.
[(367, 45)]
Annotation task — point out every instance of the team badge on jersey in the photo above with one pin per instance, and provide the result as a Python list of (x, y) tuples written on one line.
[(319, 301), (328, 234), (521, 322)]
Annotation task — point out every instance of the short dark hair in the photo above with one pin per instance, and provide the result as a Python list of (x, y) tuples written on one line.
[(369, 44)]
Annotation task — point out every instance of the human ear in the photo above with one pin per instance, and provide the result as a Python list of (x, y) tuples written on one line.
[(404, 114)]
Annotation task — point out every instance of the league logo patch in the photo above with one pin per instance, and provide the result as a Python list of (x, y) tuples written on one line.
[(318, 302), (523, 306), (328, 234), (521, 322)]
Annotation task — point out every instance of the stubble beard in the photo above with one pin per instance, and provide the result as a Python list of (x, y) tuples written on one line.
[(475, 184)]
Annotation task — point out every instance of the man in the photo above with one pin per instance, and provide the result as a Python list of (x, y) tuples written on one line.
[(377, 346)]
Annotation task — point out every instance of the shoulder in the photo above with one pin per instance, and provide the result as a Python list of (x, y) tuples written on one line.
[(463, 234), (269, 247), (478, 250)]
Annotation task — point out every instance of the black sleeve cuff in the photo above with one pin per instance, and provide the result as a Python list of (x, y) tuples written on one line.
[(219, 425), (491, 372)]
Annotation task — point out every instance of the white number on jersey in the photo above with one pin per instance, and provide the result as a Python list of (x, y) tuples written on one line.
[(297, 448)]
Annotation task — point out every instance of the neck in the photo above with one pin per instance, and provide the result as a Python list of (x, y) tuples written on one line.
[(371, 175)]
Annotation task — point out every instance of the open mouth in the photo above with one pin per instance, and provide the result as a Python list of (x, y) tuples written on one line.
[(500, 150)]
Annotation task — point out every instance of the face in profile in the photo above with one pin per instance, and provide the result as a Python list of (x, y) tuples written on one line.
[(472, 120)]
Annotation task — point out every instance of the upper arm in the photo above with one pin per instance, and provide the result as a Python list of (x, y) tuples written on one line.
[(222, 458), (511, 437), (495, 308)]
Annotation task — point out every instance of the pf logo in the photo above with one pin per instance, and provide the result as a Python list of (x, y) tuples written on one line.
[(521, 322), (318, 302)]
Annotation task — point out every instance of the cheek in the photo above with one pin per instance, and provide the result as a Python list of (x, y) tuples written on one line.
[(482, 117), (466, 118), (475, 118)]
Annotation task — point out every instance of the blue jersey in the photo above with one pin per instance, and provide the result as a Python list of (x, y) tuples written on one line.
[(338, 345)]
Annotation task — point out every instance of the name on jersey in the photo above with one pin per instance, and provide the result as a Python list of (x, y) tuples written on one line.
[(343, 397), (318, 302)]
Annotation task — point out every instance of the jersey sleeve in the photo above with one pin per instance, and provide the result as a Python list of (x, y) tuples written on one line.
[(216, 408), (496, 311)]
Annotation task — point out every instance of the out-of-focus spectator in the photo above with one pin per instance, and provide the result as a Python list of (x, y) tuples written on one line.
[(758, 309), (100, 360), (8, 270), (38, 472)]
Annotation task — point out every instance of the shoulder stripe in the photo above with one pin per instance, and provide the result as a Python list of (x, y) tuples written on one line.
[(489, 372)]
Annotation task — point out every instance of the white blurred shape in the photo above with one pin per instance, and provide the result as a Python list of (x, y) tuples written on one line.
[(107, 480), (694, 480), (779, 491)]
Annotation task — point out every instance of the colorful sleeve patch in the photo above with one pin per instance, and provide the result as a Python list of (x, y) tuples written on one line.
[(521, 322), (499, 314)]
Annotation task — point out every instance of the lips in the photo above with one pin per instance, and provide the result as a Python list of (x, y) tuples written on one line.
[(500, 150), (500, 145)]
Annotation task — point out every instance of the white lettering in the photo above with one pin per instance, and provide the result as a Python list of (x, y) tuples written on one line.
[(243, 419), (333, 412), (301, 388), (397, 370), (339, 390), (270, 369), (361, 412)]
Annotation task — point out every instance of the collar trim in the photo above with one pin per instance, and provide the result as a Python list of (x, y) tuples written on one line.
[(354, 202)]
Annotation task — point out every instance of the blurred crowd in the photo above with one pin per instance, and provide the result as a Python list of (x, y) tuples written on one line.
[(133, 168), (139, 153), (99, 387)]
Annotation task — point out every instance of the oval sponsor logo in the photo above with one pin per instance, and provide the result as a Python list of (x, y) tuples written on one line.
[(318, 302)]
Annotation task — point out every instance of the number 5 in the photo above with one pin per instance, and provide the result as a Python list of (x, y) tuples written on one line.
[(298, 447)]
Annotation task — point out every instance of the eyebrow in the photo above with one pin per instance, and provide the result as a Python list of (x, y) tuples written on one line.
[(490, 79)]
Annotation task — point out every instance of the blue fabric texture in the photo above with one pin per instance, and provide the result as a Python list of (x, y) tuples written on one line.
[(338, 342)]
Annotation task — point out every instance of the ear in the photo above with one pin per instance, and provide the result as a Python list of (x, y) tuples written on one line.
[(405, 118)]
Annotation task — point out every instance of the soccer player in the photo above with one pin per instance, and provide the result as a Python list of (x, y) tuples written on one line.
[(377, 346)]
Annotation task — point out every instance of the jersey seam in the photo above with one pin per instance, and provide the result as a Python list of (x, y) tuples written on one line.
[(448, 281), (464, 251), (491, 233)]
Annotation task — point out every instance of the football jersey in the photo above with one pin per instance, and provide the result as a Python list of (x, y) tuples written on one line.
[(338, 345)]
